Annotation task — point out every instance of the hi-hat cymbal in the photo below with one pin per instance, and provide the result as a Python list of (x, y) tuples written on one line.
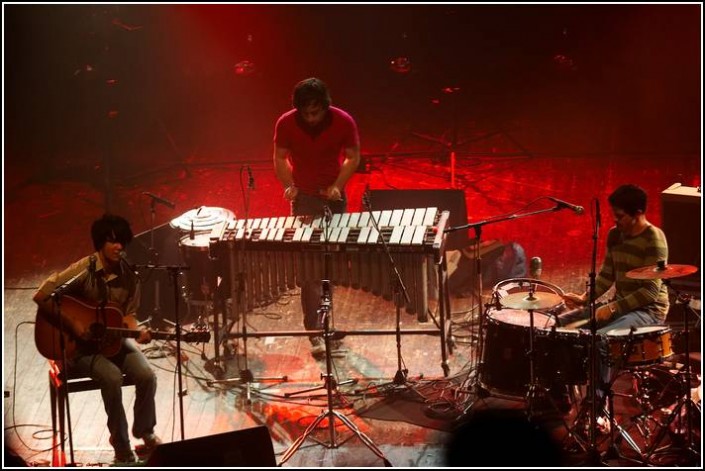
[(658, 272), (530, 301)]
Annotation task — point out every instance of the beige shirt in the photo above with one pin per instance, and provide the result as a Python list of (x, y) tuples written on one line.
[(122, 287)]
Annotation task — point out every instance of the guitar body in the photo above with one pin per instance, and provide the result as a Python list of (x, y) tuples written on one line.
[(47, 333)]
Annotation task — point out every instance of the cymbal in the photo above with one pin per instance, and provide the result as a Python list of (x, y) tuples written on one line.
[(531, 301), (201, 219), (657, 272)]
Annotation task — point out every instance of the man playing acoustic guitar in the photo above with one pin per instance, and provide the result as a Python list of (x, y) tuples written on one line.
[(106, 287)]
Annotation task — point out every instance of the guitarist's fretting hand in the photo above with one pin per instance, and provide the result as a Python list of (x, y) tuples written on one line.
[(131, 323)]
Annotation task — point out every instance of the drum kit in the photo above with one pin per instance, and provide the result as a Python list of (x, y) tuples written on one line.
[(526, 355)]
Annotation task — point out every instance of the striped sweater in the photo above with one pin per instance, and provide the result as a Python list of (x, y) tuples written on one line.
[(626, 253)]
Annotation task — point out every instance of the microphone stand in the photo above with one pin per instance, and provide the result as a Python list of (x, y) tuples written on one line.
[(477, 226), (593, 455), (154, 260), (239, 304), (399, 290), (325, 315), (174, 271)]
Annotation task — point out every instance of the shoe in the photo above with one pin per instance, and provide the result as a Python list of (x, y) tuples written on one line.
[(318, 347), (124, 456), (151, 441), (123, 453)]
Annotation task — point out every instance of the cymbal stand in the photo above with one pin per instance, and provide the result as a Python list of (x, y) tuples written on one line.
[(240, 305), (329, 413), (684, 399), (535, 389)]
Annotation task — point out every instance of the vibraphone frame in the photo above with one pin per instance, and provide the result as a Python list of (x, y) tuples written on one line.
[(230, 237)]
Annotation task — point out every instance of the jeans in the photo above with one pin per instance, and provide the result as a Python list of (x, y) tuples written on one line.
[(631, 319), (311, 289), (108, 373)]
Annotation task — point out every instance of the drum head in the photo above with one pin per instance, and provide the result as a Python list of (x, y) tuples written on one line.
[(643, 330), (203, 219), (522, 318)]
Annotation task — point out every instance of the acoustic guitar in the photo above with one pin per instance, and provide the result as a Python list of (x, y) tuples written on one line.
[(106, 325)]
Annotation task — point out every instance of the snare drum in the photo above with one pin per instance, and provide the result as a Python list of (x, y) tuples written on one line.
[(505, 363), (204, 274), (641, 346)]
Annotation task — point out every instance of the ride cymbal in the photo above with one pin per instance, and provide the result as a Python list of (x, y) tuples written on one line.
[(661, 272)]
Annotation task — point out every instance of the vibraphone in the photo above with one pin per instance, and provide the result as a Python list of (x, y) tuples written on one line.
[(269, 256)]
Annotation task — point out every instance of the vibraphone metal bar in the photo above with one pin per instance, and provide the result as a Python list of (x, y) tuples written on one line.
[(269, 256)]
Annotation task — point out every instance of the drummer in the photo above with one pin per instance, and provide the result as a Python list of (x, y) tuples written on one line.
[(632, 243)]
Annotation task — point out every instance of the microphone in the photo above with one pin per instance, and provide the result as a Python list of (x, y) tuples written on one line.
[(535, 267), (159, 199), (563, 204), (250, 178), (123, 258)]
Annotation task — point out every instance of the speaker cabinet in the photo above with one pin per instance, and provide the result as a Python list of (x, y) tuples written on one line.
[(242, 448), (681, 222), (680, 206), (445, 200)]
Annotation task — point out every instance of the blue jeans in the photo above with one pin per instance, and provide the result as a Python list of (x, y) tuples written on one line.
[(311, 289), (108, 373), (631, 319)]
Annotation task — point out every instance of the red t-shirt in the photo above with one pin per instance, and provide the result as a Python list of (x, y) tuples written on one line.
[(316, 154)]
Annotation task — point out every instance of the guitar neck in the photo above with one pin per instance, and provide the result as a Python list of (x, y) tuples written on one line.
[(134, 333)]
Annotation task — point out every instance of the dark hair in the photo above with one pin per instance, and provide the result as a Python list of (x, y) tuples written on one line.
[(110, 228), (629, 198), (311, 91)]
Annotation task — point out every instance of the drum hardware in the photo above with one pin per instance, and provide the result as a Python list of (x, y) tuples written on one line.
[(685, 404)]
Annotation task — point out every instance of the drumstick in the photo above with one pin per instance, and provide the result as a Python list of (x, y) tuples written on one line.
[(576, 324)]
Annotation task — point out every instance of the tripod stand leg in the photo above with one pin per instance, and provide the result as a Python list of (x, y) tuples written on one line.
[(299, 441)]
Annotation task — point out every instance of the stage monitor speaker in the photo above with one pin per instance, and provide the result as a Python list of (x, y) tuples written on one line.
[(250, 447), (445, 200), (680, 207), (681, 222), (157, 287)]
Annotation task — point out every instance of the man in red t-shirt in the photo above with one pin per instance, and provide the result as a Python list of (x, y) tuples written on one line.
[(316, 151)]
